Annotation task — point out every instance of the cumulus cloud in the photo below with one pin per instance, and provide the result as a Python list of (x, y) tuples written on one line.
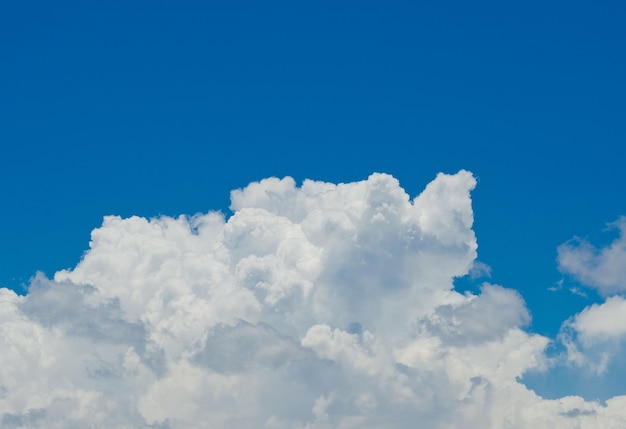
[(595, 336), (319, 306), (602, 321), (604, 268)]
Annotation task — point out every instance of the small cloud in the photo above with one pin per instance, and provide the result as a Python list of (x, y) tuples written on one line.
[(578, 291), (558, 286), (601, 268), (595, 336), (480, 270)]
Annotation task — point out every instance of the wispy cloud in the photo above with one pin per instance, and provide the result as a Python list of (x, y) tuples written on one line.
[(480, 270)]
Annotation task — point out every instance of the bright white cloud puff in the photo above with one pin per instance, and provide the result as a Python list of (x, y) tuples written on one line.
[(323, 306), (596, 336)]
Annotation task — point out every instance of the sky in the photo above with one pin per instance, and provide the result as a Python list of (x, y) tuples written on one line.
[(379, 211)]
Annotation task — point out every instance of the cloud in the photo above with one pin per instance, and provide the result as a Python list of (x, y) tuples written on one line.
[(479, 270), (603, 269), (602, 321), (320, 306), (595, 336)]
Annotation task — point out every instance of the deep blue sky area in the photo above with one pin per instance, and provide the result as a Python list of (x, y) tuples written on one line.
[(159, 107)]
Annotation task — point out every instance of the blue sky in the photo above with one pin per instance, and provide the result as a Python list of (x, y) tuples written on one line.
[(159, 108)]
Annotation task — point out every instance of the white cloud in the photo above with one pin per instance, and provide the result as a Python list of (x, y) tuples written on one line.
[(603, 269), (320, 306), (578, 291), (595, 336), (479, 270), (602, 321)]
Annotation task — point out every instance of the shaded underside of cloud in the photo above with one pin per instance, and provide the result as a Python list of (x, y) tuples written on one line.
[(319, 306)]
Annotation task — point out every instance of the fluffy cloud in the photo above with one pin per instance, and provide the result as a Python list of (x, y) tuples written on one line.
[(320, 306), (604, 268), (601, 322), (596, 335)]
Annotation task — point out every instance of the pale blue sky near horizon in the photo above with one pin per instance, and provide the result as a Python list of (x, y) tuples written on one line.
[(152, 108)]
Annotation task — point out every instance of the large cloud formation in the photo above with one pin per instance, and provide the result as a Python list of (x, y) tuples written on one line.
[(320, 306)]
